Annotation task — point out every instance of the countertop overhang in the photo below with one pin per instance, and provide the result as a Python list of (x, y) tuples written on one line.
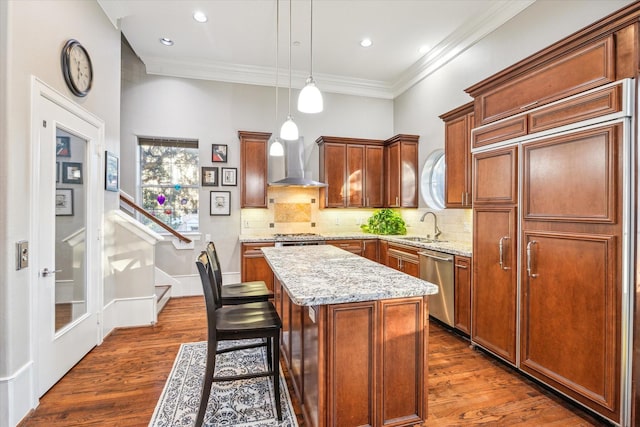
[(325, 274)]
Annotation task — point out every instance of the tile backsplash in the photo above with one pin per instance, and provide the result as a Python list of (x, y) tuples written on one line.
[(297, 210)]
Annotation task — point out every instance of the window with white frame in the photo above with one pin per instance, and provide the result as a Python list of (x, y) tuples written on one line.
[(169, 182)]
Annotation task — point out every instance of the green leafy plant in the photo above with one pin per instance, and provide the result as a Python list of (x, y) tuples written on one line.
[(385, 221)]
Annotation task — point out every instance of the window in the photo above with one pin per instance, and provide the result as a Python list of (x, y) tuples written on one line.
[(169, 182)]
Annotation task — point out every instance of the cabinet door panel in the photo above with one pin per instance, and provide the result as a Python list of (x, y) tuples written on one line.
[(495, 177), (585, 68), (573, 177), (254, 266), (456, 152), (493, 323), (403, 361), (351, 360), (335, 160), (570, 321), (253, 169), (355, 178), (374, 177)]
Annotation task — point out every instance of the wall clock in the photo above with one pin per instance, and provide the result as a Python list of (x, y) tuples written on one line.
[(76, 68)]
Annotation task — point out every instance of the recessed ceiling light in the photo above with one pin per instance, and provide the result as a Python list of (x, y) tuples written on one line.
[(165, 41), (200, 16), (366, 42)]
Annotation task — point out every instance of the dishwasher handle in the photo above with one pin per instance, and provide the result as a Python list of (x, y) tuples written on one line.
[(430, 255)]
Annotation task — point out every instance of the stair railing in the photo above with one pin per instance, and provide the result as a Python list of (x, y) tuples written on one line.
[(155, 220)]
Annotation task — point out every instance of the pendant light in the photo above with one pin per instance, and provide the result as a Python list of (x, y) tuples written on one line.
[(310, 98), (276, 149), (289, 130)]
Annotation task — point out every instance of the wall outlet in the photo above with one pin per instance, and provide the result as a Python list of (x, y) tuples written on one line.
[(207, 237), (337, 220)]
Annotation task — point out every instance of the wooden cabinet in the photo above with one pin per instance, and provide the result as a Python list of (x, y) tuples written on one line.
[(401, 170), (495, 175), (457, 150), (595, 103), (253, 169), (494, 284), (571, 267), (352, 169), (403, 258), (462, 293), (370, 249), (587, 59), (254, 266), (367, 248)]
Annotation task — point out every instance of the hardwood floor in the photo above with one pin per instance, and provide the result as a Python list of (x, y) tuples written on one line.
[(119, 382)]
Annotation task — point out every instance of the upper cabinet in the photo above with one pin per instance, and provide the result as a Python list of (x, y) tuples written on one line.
[(457, 150), (401, 170), (253, 169), (587, 59), (352, 170)]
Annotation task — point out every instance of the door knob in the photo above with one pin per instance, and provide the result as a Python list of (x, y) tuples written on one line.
[(46, 272)]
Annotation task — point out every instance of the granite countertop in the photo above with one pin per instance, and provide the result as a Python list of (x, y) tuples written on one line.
[(450, 247), (325, 274)]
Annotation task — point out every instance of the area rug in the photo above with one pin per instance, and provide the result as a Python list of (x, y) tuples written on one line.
[(242, 403)]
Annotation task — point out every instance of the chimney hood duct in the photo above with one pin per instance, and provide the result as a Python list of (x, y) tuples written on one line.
[(294, 167)]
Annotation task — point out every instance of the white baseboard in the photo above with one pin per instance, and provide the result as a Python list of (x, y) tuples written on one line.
[(190, 285), (129, 312), (12, 408)]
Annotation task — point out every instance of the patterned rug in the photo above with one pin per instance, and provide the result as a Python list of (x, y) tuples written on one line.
[(243, 403)]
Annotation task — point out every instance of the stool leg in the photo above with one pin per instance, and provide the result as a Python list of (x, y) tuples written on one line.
[(276, 374), (208, 381)]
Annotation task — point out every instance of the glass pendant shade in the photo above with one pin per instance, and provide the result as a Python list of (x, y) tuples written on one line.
[(289, 130), (310, 98), (276, 149)]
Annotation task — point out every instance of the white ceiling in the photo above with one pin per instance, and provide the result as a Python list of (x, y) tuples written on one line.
[(238, 43)]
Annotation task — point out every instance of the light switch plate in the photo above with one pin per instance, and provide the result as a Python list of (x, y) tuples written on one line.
[(22, 249)]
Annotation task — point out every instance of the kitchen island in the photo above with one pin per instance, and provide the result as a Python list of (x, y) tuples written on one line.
[(355, 336)]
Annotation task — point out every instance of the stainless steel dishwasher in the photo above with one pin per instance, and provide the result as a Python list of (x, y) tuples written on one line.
[(437, 268)]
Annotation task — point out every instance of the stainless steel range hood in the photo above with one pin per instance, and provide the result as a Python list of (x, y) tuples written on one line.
[(293, 164)]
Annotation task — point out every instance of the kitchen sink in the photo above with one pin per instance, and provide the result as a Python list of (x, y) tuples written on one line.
[(421, 239)]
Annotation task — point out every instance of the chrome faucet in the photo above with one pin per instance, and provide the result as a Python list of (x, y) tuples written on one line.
[(436, 230)]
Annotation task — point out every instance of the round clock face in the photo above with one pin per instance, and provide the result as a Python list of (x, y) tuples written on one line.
[(76, 67)]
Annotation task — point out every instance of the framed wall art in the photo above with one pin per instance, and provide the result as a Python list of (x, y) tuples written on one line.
[(63, 146), (218, 153), (72, 173), (220, 203), (64, 201), (209, 177), (229, 176), (111, 181)]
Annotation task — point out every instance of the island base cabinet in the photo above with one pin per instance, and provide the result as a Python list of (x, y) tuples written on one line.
[(365, 363)]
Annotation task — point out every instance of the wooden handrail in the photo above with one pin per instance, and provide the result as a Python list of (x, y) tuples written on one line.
[(140, 209)]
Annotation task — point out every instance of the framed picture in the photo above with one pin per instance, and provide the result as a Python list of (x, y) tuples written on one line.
[(63, 148), (64, 201), (209, 177), (57, 172), (218, 153), (220, 203), (72, 173), (229, 176), (111, 181)]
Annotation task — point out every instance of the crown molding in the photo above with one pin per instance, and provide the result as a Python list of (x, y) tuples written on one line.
[(264, 76), (465, 36)]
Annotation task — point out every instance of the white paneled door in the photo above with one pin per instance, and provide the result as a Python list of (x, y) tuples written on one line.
[(65, 251)]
